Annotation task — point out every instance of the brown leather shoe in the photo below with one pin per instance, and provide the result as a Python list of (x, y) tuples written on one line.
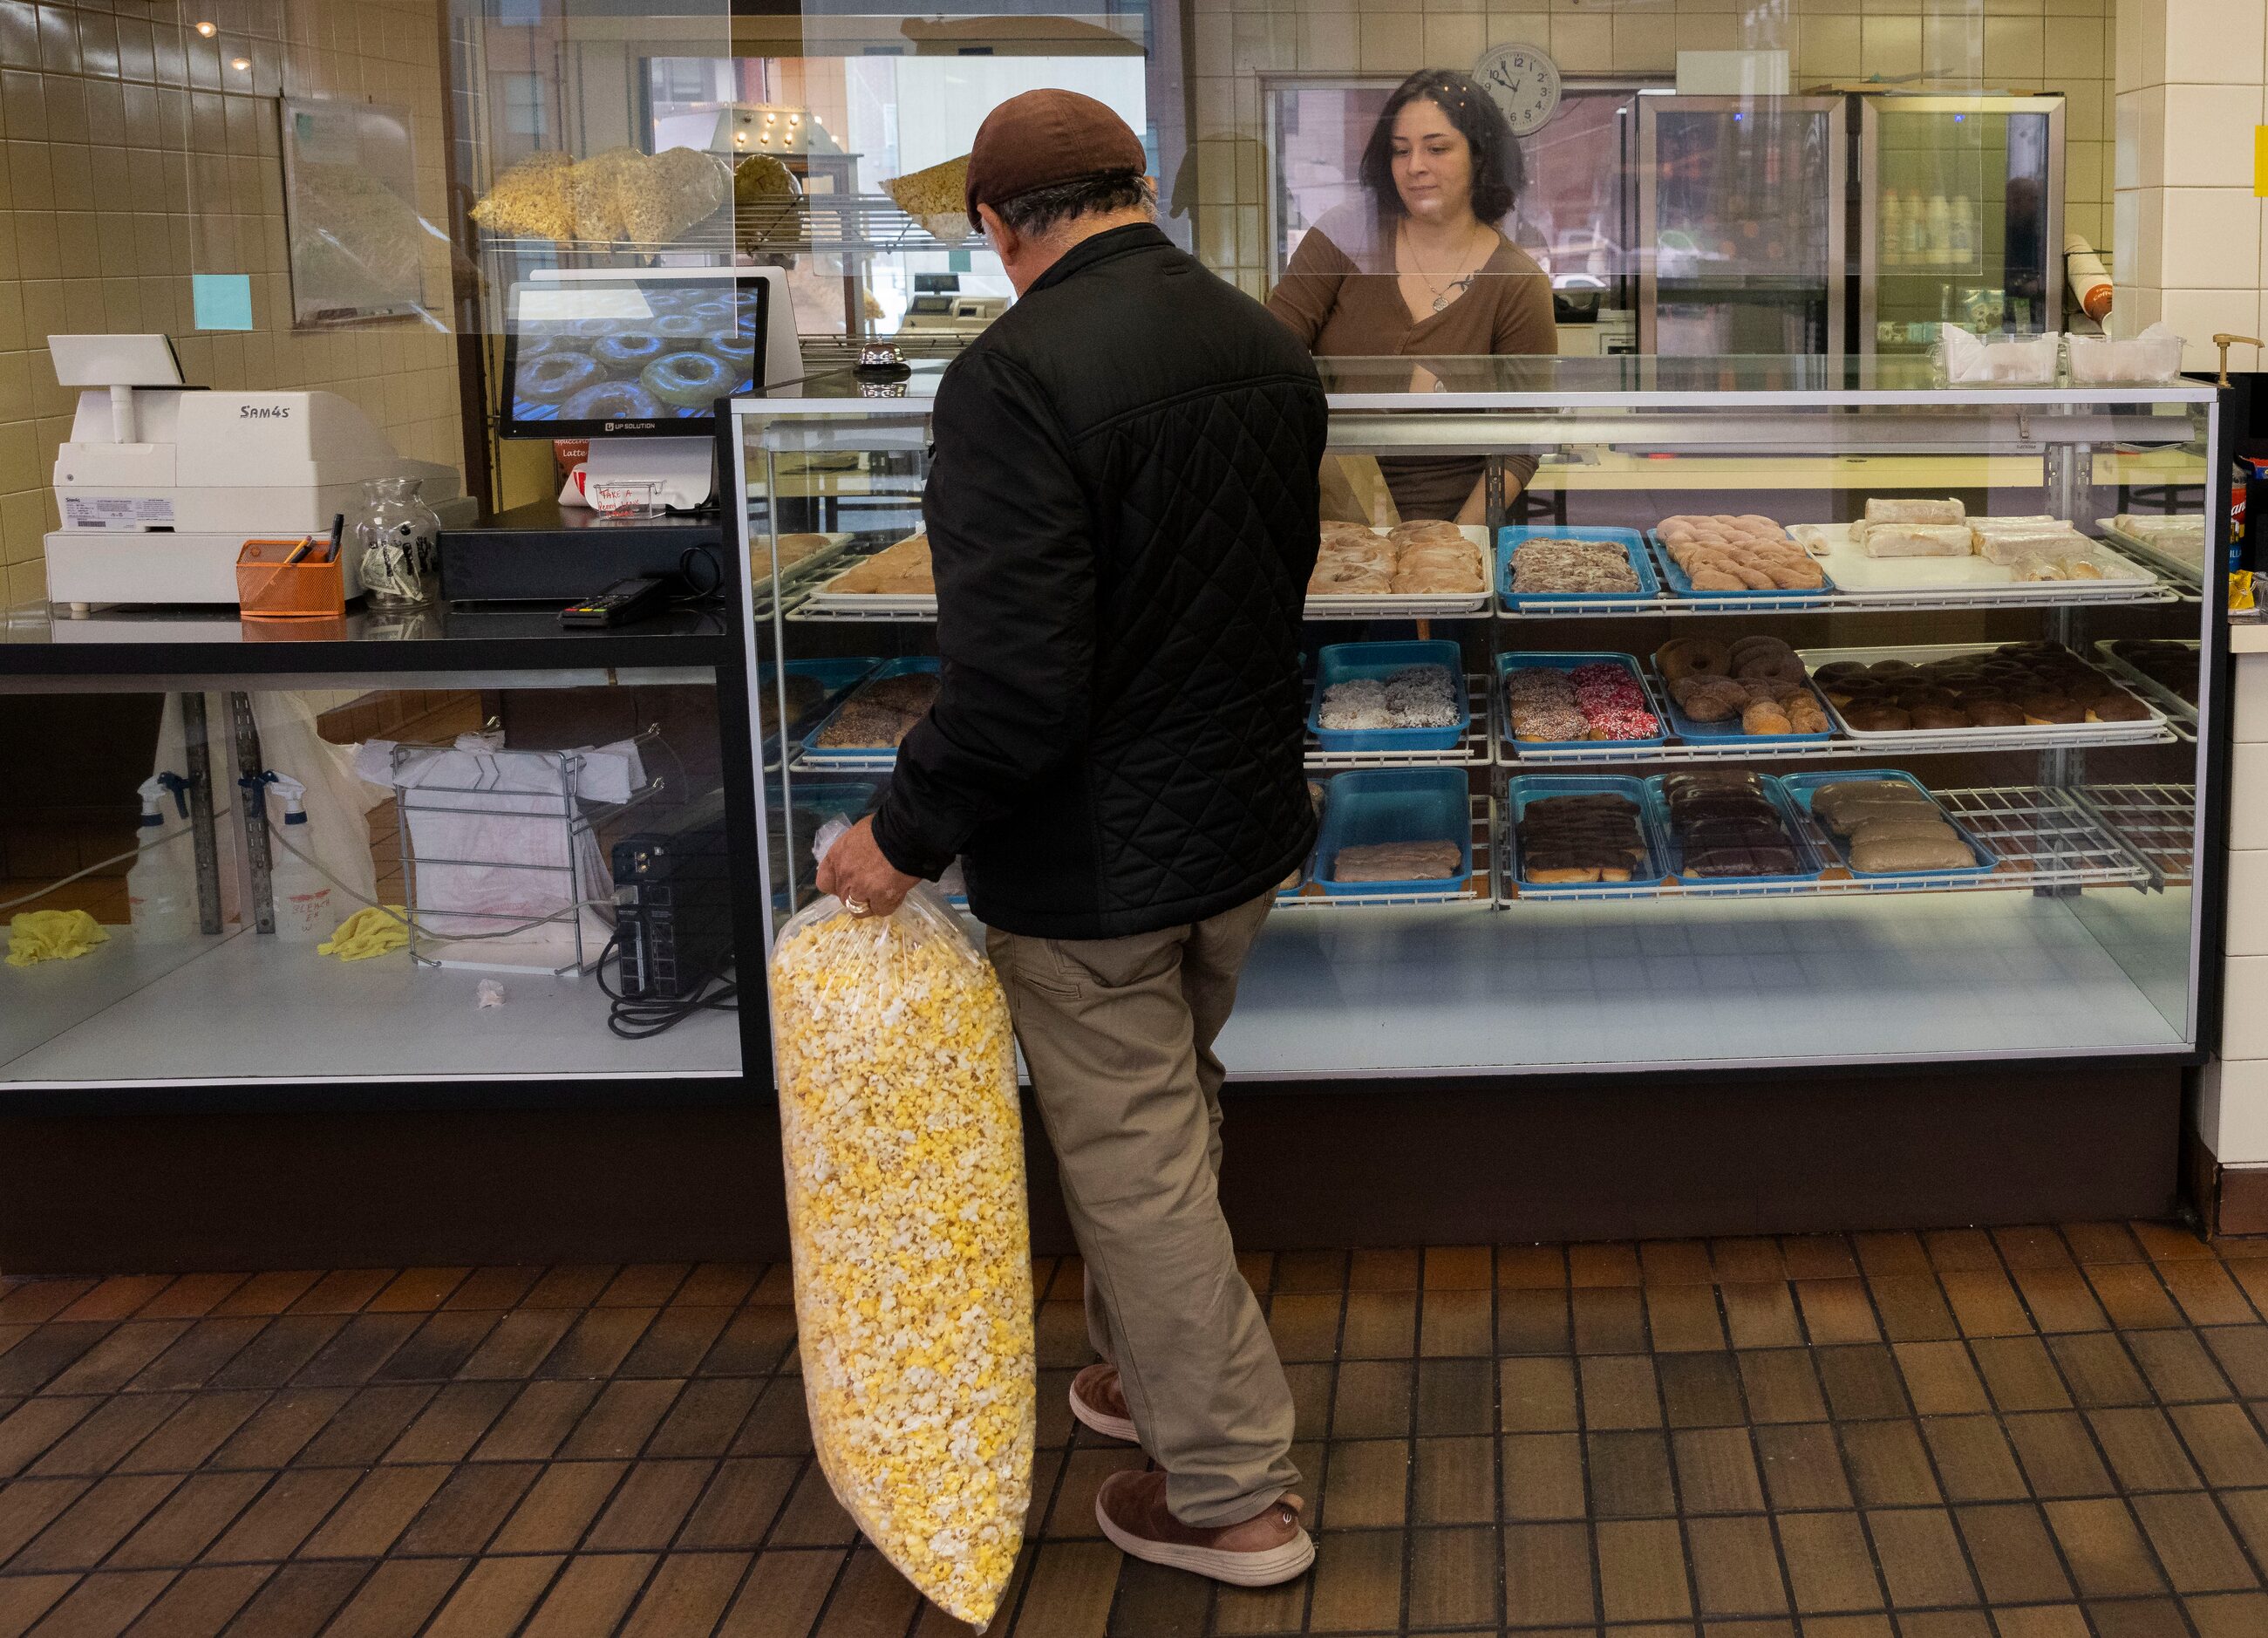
[(1269, 1548), (1100, 1403)]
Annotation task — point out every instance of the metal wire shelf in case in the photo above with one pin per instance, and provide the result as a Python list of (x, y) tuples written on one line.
[(1612, 753), (2044, 837), (2157, 821), (2073, 592)]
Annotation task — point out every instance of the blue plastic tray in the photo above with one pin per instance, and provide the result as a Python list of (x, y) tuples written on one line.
[(1800, 786), (1306, 870), (834, 676), (1633, 545), (1506, 664), (1529, 786), (1344, 663), (1395, 805), (1717, 732), (891, 668), (1680, 584), (1673, 856)]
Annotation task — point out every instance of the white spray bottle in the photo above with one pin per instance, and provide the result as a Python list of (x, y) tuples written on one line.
[(305, 911), (161, 887)]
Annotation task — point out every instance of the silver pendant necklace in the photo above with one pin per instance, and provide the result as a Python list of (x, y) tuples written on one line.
[(1443, 294)]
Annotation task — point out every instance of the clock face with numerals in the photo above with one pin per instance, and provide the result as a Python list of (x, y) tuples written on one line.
[(1524, 82)]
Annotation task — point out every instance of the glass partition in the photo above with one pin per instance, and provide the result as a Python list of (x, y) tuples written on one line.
[(2032, 704)]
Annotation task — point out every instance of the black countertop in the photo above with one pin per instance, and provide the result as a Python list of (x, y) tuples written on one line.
[(38, 640)]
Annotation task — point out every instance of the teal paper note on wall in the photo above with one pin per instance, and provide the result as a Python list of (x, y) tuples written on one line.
[(223, 301)]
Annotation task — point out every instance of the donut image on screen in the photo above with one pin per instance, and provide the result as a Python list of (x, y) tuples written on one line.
[(635, 353)]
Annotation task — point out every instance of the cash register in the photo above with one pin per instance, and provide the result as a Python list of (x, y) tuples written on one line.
[(160, 483)]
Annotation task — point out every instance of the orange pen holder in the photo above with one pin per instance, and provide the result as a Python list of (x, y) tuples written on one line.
[(269, 587)]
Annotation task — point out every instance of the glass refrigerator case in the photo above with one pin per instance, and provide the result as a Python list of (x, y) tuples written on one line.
[(1831, 717), (1959, 217), (1741, 225)]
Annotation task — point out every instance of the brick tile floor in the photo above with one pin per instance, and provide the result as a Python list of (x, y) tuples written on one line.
[(2047, 1432)]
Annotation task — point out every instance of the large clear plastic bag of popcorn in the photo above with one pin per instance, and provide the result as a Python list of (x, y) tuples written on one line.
[(906, 1210)]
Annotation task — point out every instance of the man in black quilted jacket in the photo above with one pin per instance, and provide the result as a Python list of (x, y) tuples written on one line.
[(1121, 514)]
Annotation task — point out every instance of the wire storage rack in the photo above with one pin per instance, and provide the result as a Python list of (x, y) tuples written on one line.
[(2158, 823), (501, 864)]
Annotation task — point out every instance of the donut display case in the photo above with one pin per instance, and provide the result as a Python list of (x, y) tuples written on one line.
[(1813, 714)]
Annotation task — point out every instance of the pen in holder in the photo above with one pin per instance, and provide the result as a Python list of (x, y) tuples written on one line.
[(290, 580)]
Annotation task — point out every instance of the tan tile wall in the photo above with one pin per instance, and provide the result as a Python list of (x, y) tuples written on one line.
[(2057, 45), (137, 154)]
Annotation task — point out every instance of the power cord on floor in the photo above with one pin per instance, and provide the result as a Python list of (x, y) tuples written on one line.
[(100, 864), (640, 1018)]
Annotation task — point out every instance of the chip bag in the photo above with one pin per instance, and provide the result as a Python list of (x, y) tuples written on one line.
[(912, 1247)]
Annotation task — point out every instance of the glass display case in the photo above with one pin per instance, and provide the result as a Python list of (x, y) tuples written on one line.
[(551, 815), (1960, 217), (1809, 596), (1740, 222)]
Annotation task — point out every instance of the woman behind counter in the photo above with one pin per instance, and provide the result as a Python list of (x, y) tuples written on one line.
[(1422, 271)]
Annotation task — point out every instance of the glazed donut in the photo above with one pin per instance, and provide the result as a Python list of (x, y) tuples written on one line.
[(612, 400), (629, 350), (717, 314), (590, 330), (690, 381), (535, 346), (735, 348), (679, 326), (552, 376), (1690, 656)]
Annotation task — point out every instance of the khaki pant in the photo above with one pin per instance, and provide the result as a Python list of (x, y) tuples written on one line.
[(1118, 1036)]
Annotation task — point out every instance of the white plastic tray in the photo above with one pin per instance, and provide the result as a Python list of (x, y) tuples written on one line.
[(2135, 546), (1890, 578), (1414, 606), (2046, 735), (2141, 681)]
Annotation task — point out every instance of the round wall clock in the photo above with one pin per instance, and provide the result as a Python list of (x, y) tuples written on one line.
[(1524, 82)]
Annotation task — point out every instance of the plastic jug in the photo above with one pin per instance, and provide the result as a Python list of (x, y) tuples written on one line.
[(161, 887), (307, 907)]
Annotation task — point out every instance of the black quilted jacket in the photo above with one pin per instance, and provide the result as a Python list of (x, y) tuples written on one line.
[(1122, 511)]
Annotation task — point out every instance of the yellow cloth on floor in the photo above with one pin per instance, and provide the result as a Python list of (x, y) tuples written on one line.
[(369, 932), (38, 936)]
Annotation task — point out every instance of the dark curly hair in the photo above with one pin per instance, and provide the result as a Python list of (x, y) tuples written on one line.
[(1498, 172)]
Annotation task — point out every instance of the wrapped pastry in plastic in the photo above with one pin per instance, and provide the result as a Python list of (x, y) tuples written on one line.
[(1889, 509), (1917, 540), (912, 1253)]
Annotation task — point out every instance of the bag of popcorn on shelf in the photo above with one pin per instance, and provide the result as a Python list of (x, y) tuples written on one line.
[(912, 1247)]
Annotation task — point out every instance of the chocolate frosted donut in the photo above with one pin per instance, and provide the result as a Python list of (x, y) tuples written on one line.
[(2122, 708), (1994, 713)]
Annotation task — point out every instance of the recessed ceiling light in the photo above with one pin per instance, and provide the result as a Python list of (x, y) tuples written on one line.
[(207, 29), (242, 65)]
